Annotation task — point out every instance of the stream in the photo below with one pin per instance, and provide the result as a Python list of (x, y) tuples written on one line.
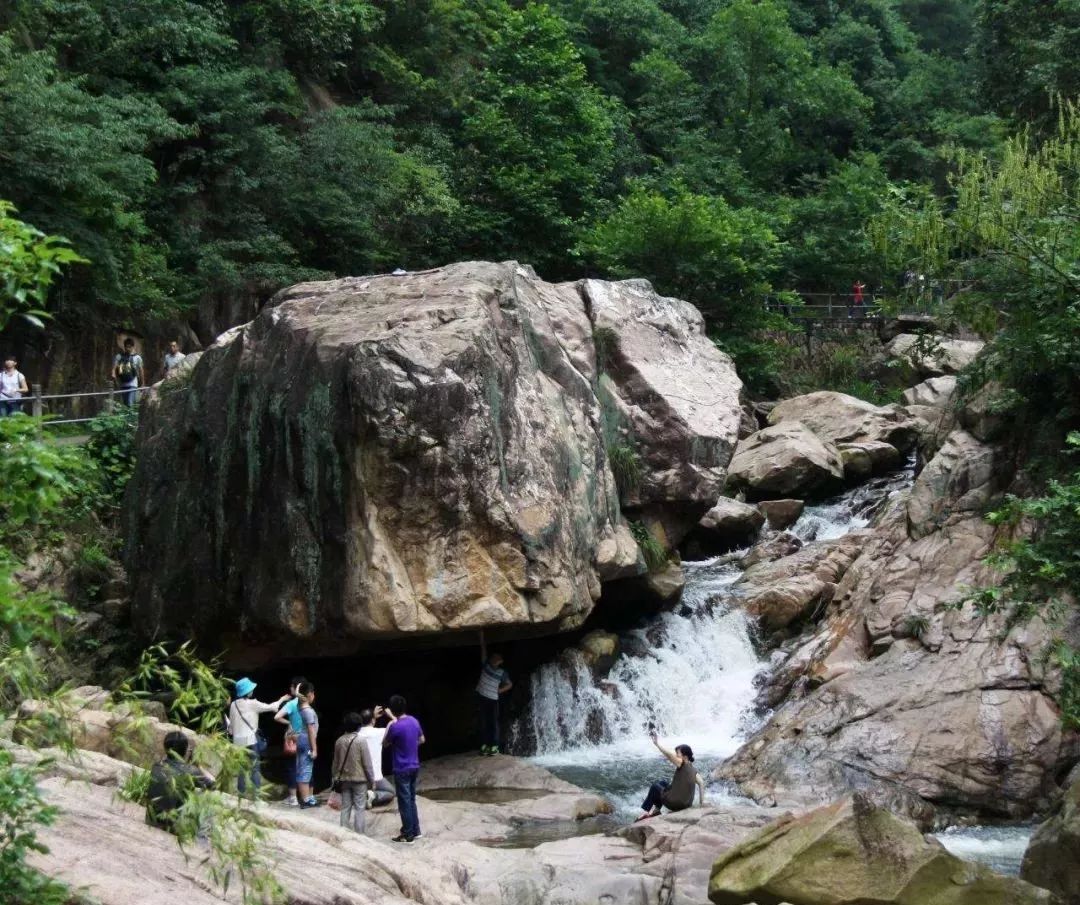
[(690, 675)]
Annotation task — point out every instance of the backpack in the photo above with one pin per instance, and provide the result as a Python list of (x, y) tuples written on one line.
[(126, 369)]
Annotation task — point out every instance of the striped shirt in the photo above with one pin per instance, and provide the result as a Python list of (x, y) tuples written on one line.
[(490, 679)]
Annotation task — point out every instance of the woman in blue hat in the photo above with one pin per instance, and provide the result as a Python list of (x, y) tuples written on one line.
[(243, 725)]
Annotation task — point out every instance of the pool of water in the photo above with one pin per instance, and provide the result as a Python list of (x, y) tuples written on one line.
[(531, 833), (483, 796)]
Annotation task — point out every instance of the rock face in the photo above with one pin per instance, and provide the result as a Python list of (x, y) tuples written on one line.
[(852, 853), (1052, 859), (897, 693), (785, 459), (413, 454), (937, 392), (781, 514), (934, 356), (842, 419)]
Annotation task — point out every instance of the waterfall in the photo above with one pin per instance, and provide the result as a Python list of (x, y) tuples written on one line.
[(689, 674)]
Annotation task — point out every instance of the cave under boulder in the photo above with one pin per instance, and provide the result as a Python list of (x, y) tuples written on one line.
[(420, 454)]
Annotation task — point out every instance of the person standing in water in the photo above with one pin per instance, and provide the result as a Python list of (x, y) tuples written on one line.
[(678, 794)]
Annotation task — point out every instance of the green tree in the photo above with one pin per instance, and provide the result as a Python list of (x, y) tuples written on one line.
[(695, 247), (1028, 53), (539, 143), (1010, 228), (29, 263)]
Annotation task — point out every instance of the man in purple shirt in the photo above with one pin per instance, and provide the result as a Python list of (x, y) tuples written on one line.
[(404, 738)]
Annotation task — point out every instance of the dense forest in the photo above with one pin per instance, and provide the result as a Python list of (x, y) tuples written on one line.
[(203, 153)]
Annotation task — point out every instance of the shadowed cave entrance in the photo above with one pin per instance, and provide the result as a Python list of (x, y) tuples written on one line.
[(436, 675)]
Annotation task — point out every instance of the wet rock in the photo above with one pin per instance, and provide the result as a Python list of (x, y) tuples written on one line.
[(934, 356), (898, 694), (732, 522), (396, 455), (772, 548), (791, 589), (600, 648), (781, 514), (937, 392), (870, 457), (785, 459), (853, 853), (667, 583), (841, 419), (1052, 859)]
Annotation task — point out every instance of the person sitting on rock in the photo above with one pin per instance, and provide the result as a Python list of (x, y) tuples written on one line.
[(678, 794), (172, 780), (494, 681), (381, 792)]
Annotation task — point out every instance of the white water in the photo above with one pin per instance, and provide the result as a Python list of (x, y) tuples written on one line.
[(1000, 847), (689, 675)]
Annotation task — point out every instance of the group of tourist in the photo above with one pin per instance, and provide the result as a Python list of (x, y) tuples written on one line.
[(356, 769), (128, 374)]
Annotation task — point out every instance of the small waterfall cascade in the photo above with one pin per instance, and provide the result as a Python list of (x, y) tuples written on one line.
[(688, 675), (692, 670)]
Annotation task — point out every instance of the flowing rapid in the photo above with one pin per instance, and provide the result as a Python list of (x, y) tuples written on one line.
[(689, 674)]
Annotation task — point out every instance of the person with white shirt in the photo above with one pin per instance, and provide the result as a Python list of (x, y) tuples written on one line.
[(381, 792), (172, 360), (12, 388), (243, 724)]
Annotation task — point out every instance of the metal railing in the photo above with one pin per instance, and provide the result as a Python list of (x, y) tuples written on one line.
[(42, 404)]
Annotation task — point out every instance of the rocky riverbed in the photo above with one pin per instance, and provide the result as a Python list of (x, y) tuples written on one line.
[(393, 463)]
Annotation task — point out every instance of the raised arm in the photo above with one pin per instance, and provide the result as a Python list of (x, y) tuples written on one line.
[(273, 705), (670, 755)]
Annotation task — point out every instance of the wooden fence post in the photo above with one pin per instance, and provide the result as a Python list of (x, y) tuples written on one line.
[(36, 406)]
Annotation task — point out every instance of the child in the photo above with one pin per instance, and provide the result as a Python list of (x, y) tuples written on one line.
[(307, 747)]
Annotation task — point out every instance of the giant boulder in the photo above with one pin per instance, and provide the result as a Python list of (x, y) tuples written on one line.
[(852, 853), (932, 355), (413, 454), (1052, 859), (842, 419), (786, 459)]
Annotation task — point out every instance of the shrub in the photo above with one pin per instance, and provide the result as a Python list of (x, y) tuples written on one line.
[(112, 448), (1042, 570), (652, 550), (625, 466)]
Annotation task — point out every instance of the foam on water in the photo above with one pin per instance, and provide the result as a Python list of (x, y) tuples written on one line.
[(1000, 847), (689, 675)]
